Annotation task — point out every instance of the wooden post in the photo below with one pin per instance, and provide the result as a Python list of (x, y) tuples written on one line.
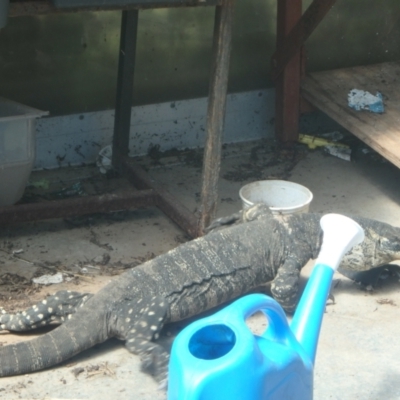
[(126, 67), (287, 101), (292, 42), (216, 112)]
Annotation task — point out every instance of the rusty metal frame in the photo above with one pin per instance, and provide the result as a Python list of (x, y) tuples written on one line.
[(149, 193), (293, 29)]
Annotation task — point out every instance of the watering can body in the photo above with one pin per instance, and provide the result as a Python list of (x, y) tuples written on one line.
[(220, 358)]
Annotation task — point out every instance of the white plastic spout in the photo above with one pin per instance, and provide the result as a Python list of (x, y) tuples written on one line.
[(340, 235)]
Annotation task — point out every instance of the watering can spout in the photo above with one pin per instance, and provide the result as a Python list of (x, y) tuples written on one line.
[(340, 234)]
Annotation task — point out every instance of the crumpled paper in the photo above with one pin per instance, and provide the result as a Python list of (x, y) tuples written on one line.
[(49, 279), (104, 159), (363, 100)]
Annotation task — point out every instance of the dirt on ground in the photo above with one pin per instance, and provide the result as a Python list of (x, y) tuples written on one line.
[(18, 291), (261, 160)]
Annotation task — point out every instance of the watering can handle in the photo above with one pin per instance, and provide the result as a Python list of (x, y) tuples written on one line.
[(245, 307)]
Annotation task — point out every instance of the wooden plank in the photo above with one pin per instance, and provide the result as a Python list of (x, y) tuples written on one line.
[(328, 91), (338, 86), (216, 112), (287, 99), (123, 200), (291, 44), (126, 68), (164, 200), (19, 8)]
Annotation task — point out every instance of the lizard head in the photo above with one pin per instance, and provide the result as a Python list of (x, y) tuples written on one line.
[(388, 246), (381, 246)]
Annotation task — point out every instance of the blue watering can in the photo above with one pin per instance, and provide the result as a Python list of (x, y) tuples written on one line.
[(218, 357)]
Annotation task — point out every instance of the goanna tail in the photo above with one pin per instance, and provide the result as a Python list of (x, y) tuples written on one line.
[(51, 348)]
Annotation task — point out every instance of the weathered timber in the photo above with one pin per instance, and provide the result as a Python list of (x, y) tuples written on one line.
[(291, 44), (287, 83), (123, 200), (20, 8), (328, 91), (216, 112)]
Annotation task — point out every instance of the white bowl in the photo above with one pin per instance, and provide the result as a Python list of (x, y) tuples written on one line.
[(282, 197)]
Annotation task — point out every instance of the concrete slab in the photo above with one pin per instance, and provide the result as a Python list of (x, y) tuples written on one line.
[(358, 354)]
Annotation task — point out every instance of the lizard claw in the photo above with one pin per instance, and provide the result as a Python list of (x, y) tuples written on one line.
[(162, 384), (224, 222), (255, 212), (155, 361)]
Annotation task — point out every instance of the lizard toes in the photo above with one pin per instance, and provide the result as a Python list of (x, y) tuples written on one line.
[(146, 362), (162, 384), (155, 361)]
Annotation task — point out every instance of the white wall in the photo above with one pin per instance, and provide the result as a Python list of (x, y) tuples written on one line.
[(77, 139)]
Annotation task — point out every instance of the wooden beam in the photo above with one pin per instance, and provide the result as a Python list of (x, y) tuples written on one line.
[(19, 8), (165, 201), (216, 112), (290, 44), (126, 67), (287, 98), (124, 200), (306, 106), (328, 90)]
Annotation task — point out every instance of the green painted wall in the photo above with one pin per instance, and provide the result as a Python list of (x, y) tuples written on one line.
[(356, 32), (68, 63)]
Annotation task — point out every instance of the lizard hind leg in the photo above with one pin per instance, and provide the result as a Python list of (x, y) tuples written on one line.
[(55, 309), (142, 334)]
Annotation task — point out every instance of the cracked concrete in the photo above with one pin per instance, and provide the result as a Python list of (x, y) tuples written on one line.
[(358, 354)]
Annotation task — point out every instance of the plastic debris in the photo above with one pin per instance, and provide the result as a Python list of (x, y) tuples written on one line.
[(18, 251), (104, 159), (362, 100), (92, 267), (49, 279), (40, 184), (334, 136), (314, 141), (332, 147), (340, 152), (75, 189)]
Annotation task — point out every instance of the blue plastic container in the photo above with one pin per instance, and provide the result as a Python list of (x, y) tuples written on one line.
[(218, 357)]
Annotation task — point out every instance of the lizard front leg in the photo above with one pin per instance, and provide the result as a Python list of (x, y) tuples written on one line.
[(253, 213), (285, 286), (141, 335)]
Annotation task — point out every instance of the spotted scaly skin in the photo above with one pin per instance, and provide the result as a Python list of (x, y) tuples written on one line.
[(186, 281)]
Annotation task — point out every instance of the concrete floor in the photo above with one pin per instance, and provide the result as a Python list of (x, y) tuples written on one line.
[(359, 352)]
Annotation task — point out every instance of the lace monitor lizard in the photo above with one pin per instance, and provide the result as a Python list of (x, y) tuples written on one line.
[(186, 281)]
